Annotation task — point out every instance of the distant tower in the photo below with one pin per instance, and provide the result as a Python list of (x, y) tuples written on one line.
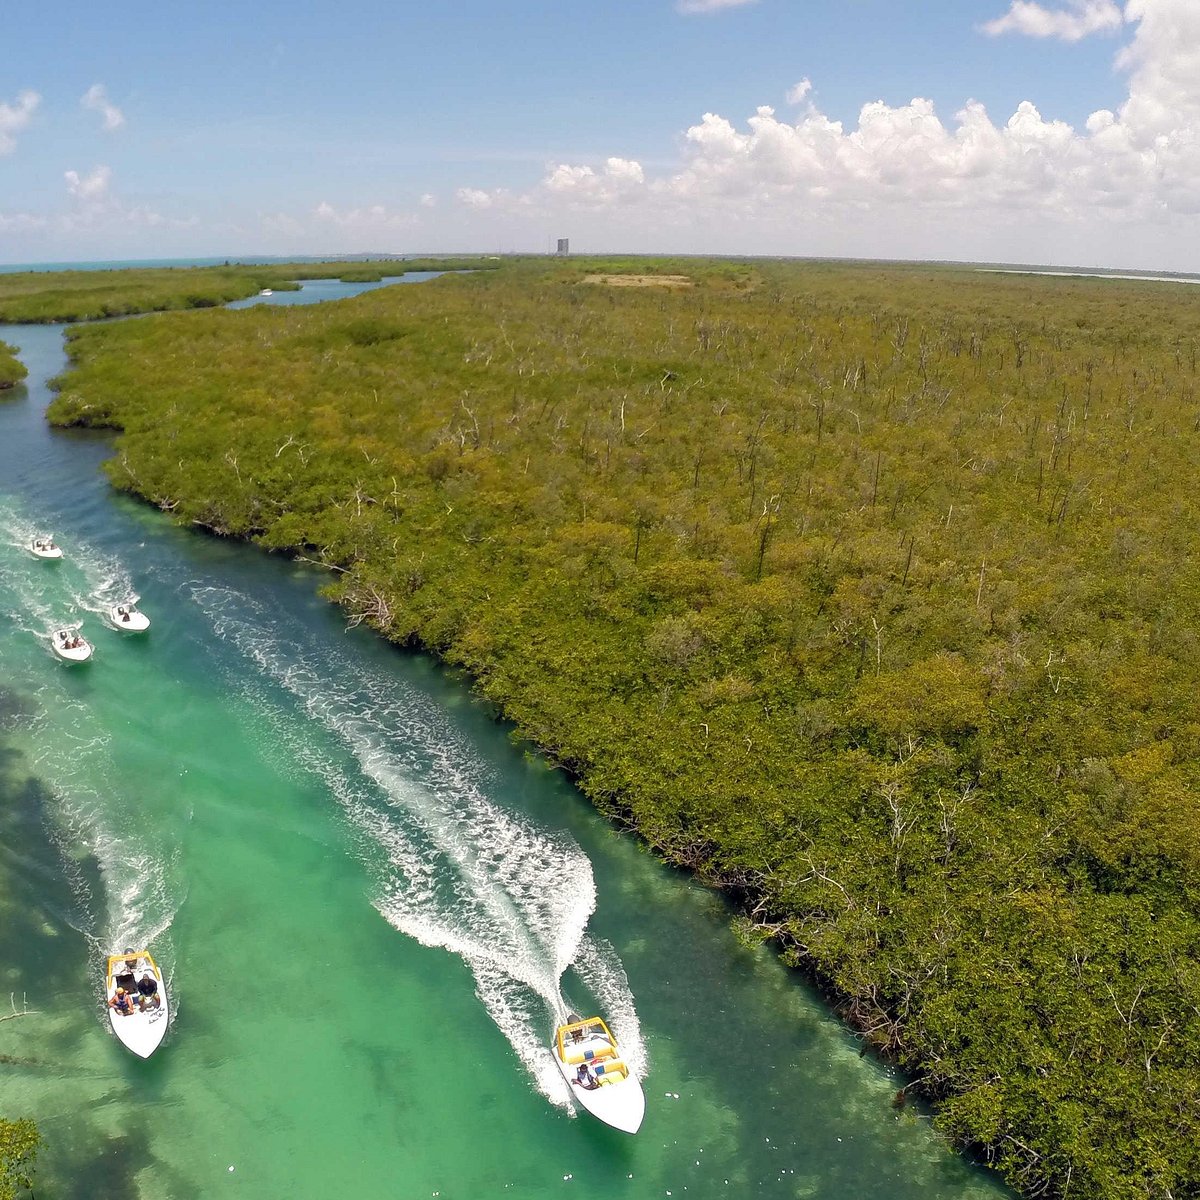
[(564, 247)]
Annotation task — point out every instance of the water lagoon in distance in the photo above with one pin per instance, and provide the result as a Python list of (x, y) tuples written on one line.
[(366, 899)]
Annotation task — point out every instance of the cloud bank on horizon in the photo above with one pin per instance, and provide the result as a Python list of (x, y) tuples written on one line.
[(904, 181), (1139, 165)]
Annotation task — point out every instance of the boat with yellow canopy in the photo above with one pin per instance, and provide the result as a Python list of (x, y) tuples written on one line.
[(137, 1001), (599, 1078)]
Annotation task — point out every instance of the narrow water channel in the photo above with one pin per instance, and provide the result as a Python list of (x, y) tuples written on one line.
[(366, 898)]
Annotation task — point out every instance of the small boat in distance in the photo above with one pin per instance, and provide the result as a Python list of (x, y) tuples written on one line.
[(69, 646), (137, 1001), (599, 1079), (128, 618), (266, 292), (42, 546)]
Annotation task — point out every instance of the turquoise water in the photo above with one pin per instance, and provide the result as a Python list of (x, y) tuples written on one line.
[(316, 291), (370, 903)]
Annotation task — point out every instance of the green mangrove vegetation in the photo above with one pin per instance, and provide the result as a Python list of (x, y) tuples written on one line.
[(12, 370), (19, 1142), (869, 594), (35, 297)]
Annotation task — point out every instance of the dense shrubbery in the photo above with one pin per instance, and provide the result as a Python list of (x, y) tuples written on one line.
[(36, 297), (12, 370), (870, 594), (18, 1149)]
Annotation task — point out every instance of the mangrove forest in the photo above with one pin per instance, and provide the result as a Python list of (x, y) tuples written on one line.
[(869, 594)]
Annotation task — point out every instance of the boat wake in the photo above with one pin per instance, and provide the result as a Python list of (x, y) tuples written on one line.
[(138, 891), (125, 881), (54, 596), (598, 963), (451, 868)]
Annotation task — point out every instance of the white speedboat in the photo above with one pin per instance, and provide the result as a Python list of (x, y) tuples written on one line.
[(69, 646), (599, 1079), (266, 292), (137, 1001), (43, 546), (128, 618)]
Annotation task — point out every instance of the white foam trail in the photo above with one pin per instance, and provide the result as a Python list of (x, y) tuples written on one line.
[(106, 580), (141, 880), (69, 749), (30, 586), (523, 1023), (599, 965), (93, 581), (453, 870), (17, 529)]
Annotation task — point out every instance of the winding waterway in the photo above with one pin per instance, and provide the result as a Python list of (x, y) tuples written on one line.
[(370, 904)]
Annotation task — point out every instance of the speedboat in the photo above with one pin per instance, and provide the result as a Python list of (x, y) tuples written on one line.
[(43, 546), (128, 618), (69, 646), (266, 292), (599, 1079), (139, 1014)]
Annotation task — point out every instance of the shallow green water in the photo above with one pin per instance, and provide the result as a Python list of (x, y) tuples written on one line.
[(366, 898)]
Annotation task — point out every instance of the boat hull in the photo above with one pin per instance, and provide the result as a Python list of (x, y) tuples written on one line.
[(131, 622), (619, 1102), (141, 1032), (77, 655)]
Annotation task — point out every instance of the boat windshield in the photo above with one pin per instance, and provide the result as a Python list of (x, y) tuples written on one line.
[(584, 1031)]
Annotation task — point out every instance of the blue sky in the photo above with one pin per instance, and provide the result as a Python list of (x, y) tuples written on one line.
[(130, 131)]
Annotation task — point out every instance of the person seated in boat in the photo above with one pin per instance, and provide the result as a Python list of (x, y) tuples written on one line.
[(147, 988), (585, 1078), (122, 1002)]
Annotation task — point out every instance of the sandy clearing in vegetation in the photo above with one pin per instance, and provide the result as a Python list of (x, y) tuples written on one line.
[(640, 280)]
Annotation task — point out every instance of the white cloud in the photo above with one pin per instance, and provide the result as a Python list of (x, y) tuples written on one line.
[(14, 118), (428, 200), (366, 227), (800, 92), (620, 179), (1081, 19), (96, 98), (475, 198), (904, 180), (91, 188), (706, 6), (373, 218), (97, 209), (21, 222), (284, 224)]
